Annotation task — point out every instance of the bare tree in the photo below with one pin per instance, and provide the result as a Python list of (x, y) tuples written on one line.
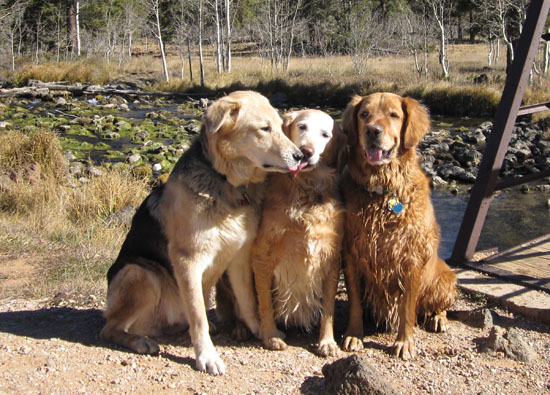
[(441, 14), (201, 62), (131, 16), (275, 30), (228, 36), (12, 27), (182, 16), (218, 38), (417, 34), (365, 33), (152, 6), (111, 32), (504, 19)]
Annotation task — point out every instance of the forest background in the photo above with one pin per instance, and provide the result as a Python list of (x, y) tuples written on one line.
[(452, 54)]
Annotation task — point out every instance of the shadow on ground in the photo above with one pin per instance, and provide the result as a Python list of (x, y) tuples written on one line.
[(73, 325)]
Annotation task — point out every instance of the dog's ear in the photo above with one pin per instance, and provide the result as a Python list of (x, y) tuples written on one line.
[(288, 119), (335, 153), (349, 119), (223, 112), (417, 122)]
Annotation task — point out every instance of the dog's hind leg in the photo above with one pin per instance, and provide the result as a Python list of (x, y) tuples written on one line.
[(132, 298), (438, 297)]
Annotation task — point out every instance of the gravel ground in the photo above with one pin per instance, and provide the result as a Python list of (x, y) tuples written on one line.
[(52, 346)]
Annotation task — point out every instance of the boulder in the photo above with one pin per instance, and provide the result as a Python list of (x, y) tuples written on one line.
[(354, 376)]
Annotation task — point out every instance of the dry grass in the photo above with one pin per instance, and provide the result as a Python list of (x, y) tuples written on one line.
[(45, 208), (93, 71)]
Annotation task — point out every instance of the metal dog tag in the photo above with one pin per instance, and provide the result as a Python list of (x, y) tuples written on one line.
[(395, 205)]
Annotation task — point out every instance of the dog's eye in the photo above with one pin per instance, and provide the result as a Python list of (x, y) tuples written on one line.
[(266, 128), (302, 126), (326, 135), (394, 115), (364, 114)]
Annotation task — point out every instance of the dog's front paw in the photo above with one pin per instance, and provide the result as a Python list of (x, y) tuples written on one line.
[(275, 341), (352, 343), (144, 345), (328, 348), (404, 348), (209, 361), (438, 322)]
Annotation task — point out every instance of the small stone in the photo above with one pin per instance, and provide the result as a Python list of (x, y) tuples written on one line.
[(354, 375), (134, 158), (157, 167), (94, 171), (517, 348)]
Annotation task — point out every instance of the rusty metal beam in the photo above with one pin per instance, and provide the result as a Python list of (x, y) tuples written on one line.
[(514, 181), (532, 108), (497, 144)]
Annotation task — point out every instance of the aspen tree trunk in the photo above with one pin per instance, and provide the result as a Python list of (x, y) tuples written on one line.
[(77, 26), (200, 44), (218, 43), (161, 44), (228, 35)]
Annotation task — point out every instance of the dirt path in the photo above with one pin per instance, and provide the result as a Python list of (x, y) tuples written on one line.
[(52, 346)]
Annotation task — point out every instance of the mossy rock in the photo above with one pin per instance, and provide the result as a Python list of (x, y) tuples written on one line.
[(142, 171), (77, 130), (120, 166), (114, 154), (84, 145), (102, 146), (157, 158), (109, 135), (19, 109)]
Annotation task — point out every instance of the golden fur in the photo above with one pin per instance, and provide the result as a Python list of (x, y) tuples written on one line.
[(296, 254), (199, 224), (393, 255)]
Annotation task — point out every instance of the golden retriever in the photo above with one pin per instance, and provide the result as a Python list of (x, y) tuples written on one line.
[(391, 235), (296, 254), (201, 223)]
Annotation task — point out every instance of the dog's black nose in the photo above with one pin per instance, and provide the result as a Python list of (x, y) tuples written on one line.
[(297, 155), (374, 130), (307, 151)]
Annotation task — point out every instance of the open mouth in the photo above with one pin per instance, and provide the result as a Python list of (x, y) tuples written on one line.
[(376, 154)]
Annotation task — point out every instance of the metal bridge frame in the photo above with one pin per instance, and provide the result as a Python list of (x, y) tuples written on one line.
[(487, 181)]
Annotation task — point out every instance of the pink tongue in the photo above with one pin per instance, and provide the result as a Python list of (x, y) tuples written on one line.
[(374, 154), (295, 170)]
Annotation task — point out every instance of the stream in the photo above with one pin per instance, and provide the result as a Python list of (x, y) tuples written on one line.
[(513, 218)]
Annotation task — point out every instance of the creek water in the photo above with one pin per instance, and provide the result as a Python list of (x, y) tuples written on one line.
[(513, 218)]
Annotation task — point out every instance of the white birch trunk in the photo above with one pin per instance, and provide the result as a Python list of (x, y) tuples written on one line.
[(218, 43), (161, 44), (77, 25), (200, 44), (228, 36)]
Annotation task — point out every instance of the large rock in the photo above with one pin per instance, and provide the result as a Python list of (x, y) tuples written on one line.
[(510, 343), (354, 376)]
